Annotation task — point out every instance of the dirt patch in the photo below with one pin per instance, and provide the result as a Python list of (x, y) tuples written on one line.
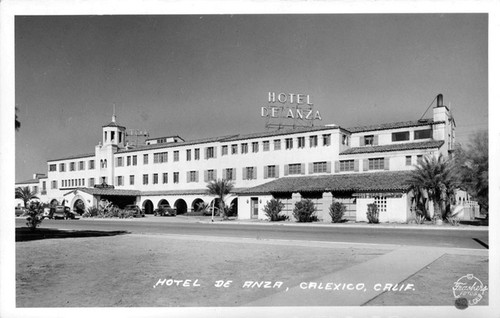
[(123, 270), (434, 283)]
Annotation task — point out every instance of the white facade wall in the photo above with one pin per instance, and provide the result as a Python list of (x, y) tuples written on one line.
[(396, 210)]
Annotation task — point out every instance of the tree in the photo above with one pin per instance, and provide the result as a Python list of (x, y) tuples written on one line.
[(437, 177), (25, 194), (473, 168), (220, 188)]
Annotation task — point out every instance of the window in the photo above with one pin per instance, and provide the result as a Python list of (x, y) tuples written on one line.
[(91, 182), (381, 203), (255, 147), (176, 177), (210, 175), (129, 160), (197, 154), (313, 141), (119, 162), (131, 179), (244, 148), (346, 165), (176, 155), (376, 164), (295, 168), (224, 150), (103, 180), (161, 157), (119, 180), (192, 176), (249, 173), (408, 160), (53, 184), (277, 144), (210, 152), (81, 165), (145, 179), (368, 140), (345, 140), (288, 143), (420, 158), (134, 160), (145, 159), (165, 177), (423, 134), (301, 141), (62, 167), (234, 149), (320, 167), (401, 136), (44, 185), (271, 171), (327, 139), (229, 174), (91, 164), (155, 178), (71, 166), (265, 145), (52, 167), (188, 155)]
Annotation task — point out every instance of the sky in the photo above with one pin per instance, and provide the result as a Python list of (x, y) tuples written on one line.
[(200, 76)]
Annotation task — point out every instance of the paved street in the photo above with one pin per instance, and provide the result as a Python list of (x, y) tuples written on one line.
[(377, 234)]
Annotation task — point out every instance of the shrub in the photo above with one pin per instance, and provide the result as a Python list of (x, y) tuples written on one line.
[(372, 213), (35, 215), (453, 220), (337, 211), (91, 212), (304, 211), (273, 208), (419, 219)]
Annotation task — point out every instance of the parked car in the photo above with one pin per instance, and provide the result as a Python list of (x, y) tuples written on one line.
[(136, 210), (165, 210), (20, 210), (62, 212)]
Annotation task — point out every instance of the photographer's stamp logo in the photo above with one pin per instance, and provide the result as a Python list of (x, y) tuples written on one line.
[(468, 291)]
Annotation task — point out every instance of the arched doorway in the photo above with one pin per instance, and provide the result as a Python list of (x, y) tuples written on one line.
[(197, 205), (181, 206), (233, 207), (215, 203), (79, 206), (148, 207), (54, 202), (163, 202)]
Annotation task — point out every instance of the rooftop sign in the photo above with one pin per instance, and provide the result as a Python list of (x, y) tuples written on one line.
[(287, 107)]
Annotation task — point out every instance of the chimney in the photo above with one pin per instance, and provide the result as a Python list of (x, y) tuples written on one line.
[(439, 100)]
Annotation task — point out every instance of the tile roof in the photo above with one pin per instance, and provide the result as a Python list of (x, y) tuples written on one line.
[(354, 182), (74, 157), (184, 192), (114, 124), (394, 147), (403, 124), (281, 132), (29, 181), (109, 191)]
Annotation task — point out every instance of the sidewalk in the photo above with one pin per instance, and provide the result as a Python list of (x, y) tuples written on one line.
[(218, 220)]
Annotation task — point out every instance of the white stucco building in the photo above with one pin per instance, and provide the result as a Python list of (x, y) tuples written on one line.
[(357, 166)]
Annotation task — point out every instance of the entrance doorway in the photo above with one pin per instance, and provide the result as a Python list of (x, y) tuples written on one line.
[(254, 208)]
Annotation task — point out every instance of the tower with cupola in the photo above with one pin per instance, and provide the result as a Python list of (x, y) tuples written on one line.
[(113, 138)]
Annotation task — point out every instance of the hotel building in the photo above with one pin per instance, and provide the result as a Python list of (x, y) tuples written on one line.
[(356, 166)]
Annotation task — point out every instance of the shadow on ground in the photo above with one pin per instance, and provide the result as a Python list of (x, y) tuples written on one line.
[(25, 234)]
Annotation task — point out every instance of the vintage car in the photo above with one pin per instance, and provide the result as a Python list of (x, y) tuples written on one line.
[(134, 209), (165, 210), (62, 212)]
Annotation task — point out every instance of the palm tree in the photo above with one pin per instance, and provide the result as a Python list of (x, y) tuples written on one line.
[(25, 194), (220, 188), (438, 178)]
